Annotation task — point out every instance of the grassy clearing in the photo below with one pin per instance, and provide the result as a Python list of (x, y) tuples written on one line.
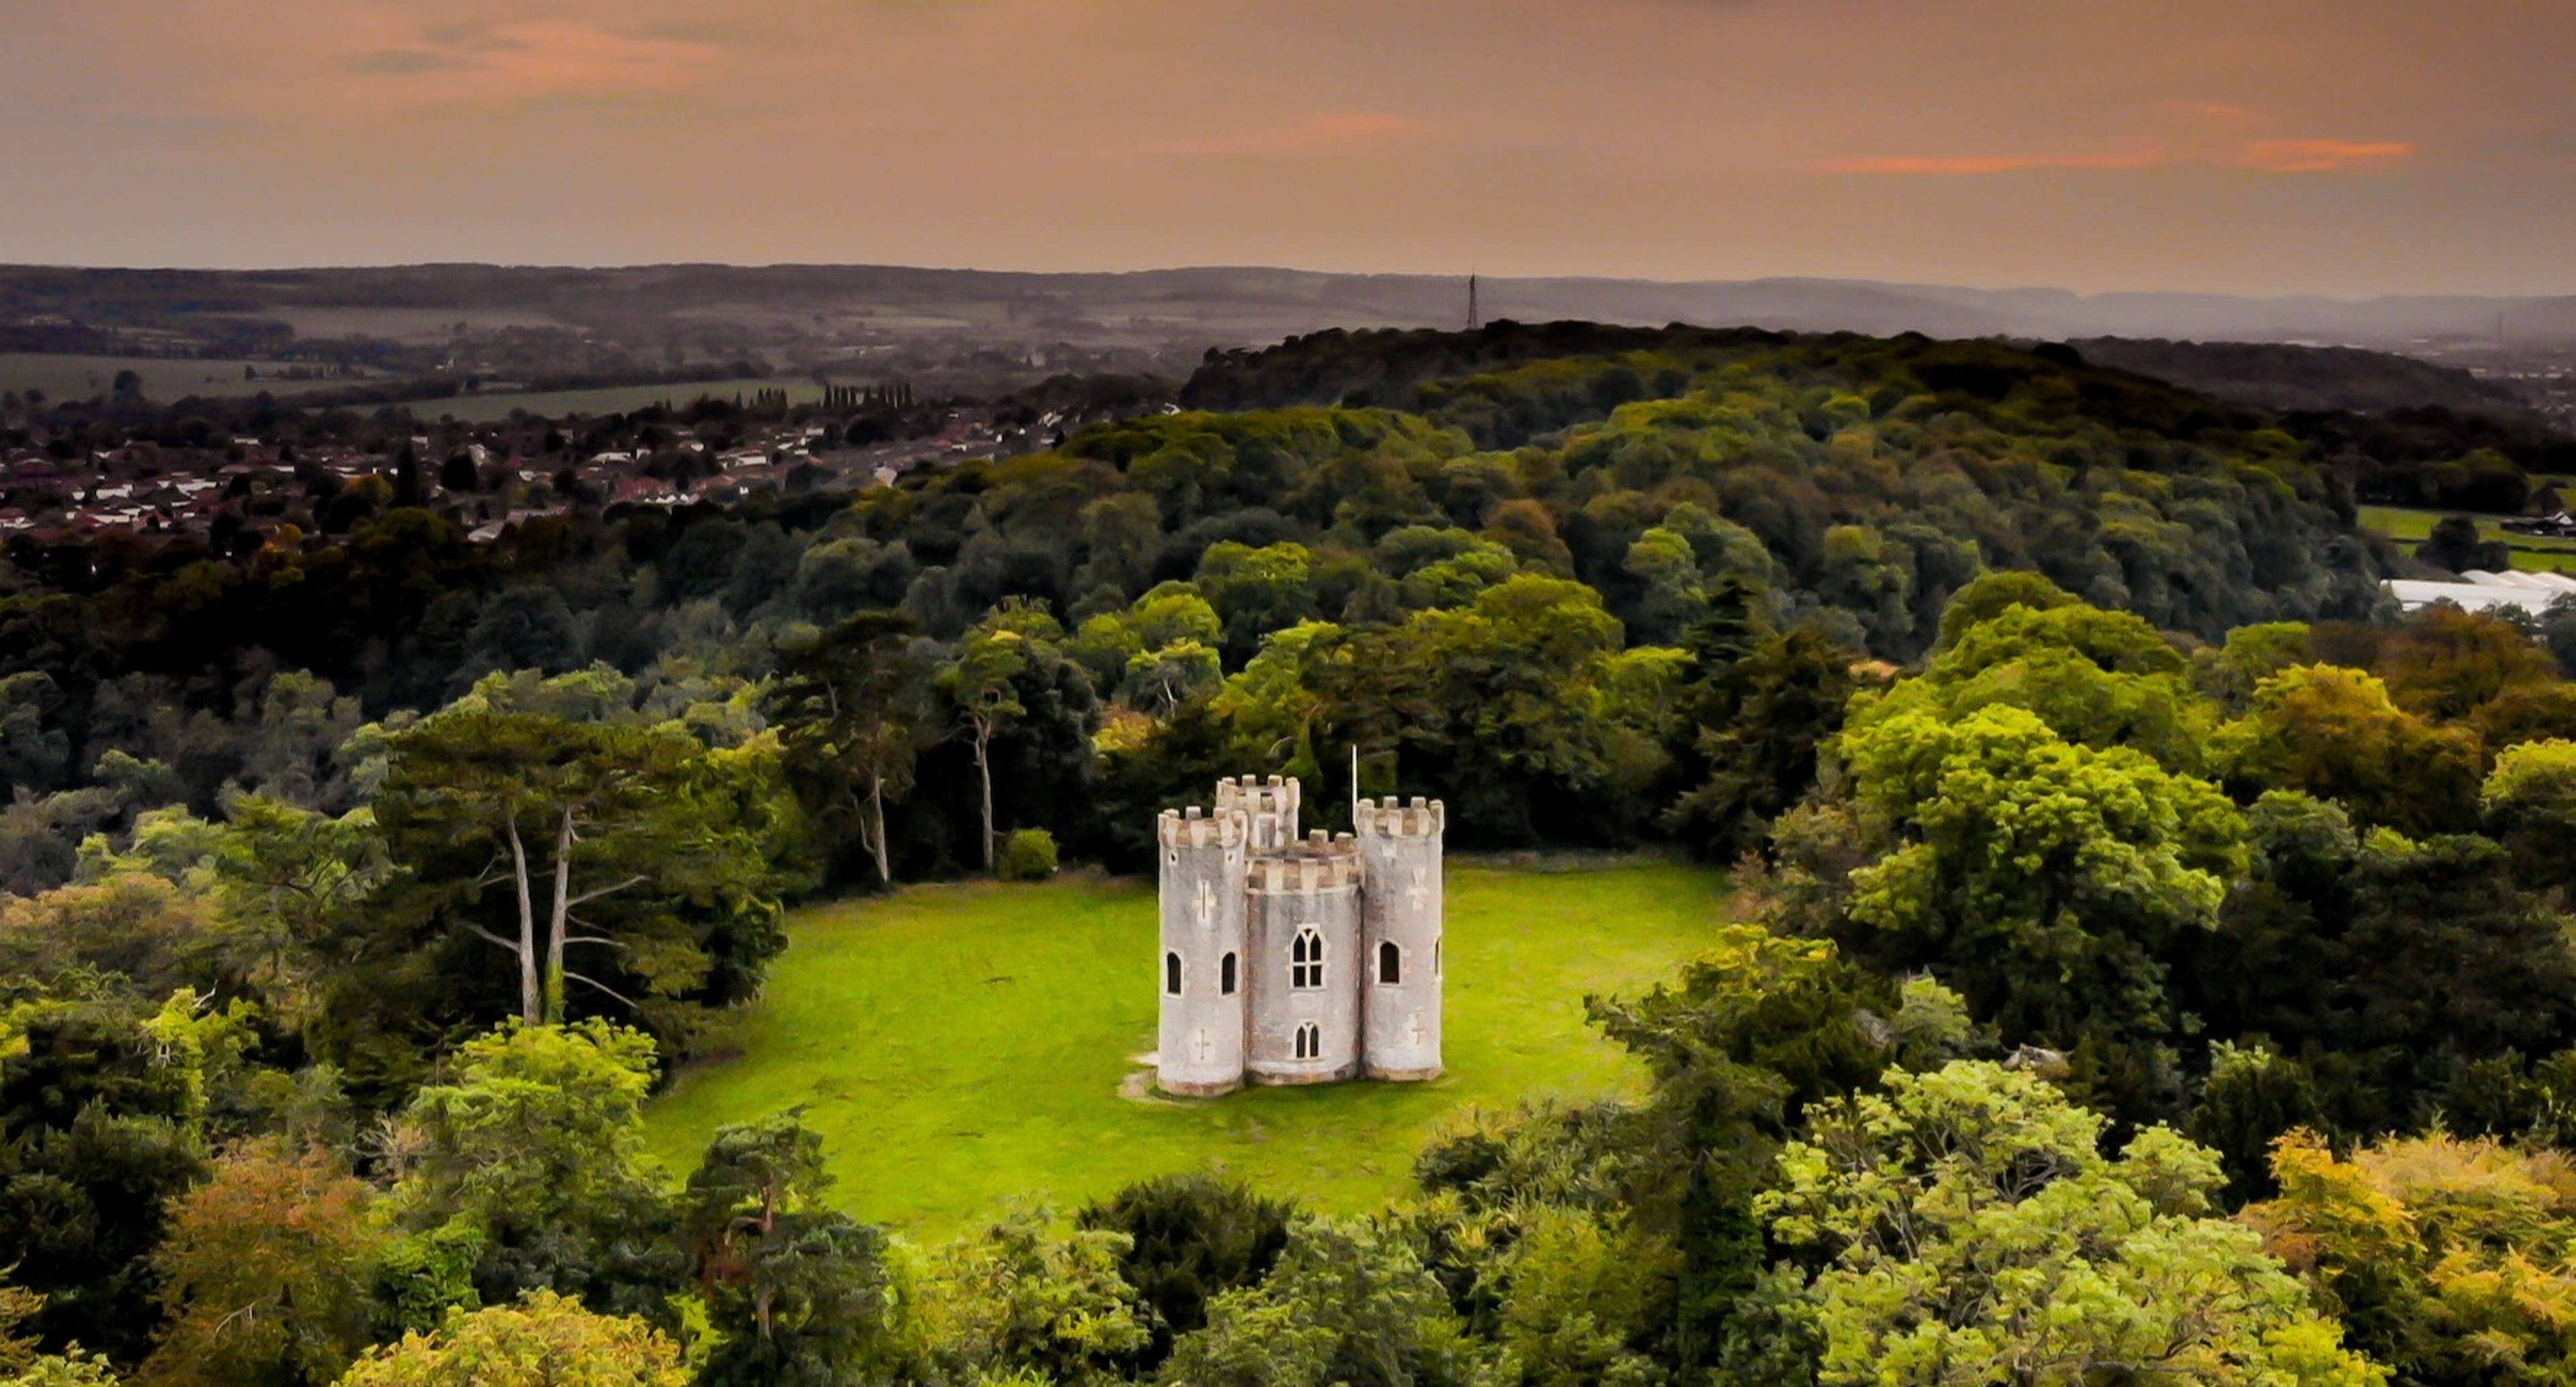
[(2409, 526), (961, 1047)]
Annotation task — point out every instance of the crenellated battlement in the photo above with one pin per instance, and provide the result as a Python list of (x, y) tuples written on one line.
[(1392, 818), (1277, 795), (1317, 866), (1227, 828)]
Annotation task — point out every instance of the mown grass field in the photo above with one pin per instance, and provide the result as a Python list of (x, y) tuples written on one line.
[(962, 1047), (2410, 526)]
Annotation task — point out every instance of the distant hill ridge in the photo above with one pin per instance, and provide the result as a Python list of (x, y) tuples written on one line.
[(1249, 304), (2279, 376)]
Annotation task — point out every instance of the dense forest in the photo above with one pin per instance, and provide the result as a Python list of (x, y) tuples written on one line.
[(2153, 959)]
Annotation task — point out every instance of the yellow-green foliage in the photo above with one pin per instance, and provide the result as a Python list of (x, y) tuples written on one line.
[(1971, 1231), (2453, 1260), (545, 1340)]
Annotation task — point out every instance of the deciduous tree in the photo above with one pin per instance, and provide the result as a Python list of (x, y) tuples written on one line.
[(1967, 1229), (266, 1271), (798, 1292), (544, 1340), (533, 1142), (850, 704), (980, 684), (521, 829)]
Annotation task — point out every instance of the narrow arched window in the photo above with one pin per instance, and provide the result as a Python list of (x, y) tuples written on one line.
[(1310, 1041), (1306, 961), (1435, 958), (1225, 975), (1172, 975), (1390, 963)]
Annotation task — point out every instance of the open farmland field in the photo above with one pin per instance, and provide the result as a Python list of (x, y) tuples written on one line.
[(422, 325), (616, 399), (64, 377), (960, 1047), (2410, 526)]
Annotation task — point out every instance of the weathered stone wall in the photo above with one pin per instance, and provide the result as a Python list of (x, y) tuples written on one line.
[(1315, 885), (1199, 1047), (1400, 1019)]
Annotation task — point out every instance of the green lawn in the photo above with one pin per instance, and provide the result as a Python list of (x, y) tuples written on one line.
[(2408, 525), (961, 1047)]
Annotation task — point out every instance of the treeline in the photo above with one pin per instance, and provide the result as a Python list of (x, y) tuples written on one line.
[(2392, 429), (1507, 622), (2304, 379)]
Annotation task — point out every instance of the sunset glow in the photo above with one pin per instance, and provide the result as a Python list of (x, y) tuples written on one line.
[(2341, 146)]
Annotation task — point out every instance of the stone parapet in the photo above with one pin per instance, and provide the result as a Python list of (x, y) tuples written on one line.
[(1277, 795), (1392, 818), (1318, 866), (1196, 829)]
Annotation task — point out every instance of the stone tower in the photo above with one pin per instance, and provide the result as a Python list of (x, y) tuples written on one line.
[(1297, 961), (1201, 971), (1400, 934), (1270, 810), (1304, 939)]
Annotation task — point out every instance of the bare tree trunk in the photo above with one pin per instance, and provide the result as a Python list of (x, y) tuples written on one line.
[(876, 834), (556, 926), (984, 770), (531, 1004), (768, 1225)]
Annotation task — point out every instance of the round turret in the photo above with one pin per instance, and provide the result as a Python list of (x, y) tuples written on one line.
[(1202, 973), (1270, 808), (1303, 937), (1401, 918)]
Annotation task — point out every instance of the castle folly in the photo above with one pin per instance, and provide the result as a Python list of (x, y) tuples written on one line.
[(1298, 961)]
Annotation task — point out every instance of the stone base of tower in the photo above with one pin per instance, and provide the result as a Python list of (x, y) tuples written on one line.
[(1183, 1088), (1292, 1078), (1405, 1076)]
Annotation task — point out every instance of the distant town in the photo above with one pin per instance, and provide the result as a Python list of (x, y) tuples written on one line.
[(78, 472), (233, 406)]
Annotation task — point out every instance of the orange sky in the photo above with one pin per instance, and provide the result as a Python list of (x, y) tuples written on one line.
[(2260, 146)]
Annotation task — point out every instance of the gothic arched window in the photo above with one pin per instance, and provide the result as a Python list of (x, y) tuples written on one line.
[(1390, 963), (1172, 974), (1225, 975), (1306, 960), (1310, 1041)]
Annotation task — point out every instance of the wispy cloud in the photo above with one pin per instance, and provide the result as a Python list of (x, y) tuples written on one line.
[(1310, 135), (2217, 112), (518, 62), (1979, 165), (2204, 134), (2324, 156), (403, 60)]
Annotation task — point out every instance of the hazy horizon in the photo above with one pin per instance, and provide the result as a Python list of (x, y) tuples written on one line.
[(1218, 267), (2347, 148)]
